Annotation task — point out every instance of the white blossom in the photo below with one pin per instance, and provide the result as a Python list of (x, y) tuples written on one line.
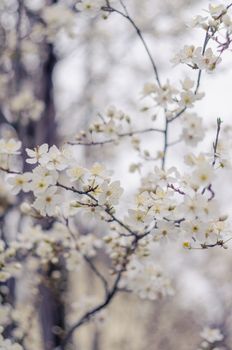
[(212, 335), (20, 182), (47, 201), (36, 154)]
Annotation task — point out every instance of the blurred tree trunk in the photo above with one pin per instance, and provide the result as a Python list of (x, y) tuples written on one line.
[(46, 130), (52, 309)]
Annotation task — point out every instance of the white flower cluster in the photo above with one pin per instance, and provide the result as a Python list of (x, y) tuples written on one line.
[(219, 17), (146, 280), (8, 266), (23, 317), (53, 168), (174, 101), (85, 246), (57, 196), (57, 17), (110, 125), (161, 209), (26, 107), (196, 58), (47, 246), (218, 27), (193, 130), (168, 96), (168, 206), (212, 338), (9, 147), (180, 206), (212, 334)]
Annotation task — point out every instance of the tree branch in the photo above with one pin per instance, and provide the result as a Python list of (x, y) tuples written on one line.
[(126, 15), (126, 134)]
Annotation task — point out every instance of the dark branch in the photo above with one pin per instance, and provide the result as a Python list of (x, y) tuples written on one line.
[(126, 15), (215, 144)]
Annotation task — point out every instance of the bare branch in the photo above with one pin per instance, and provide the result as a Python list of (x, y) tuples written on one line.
[(87, 316), (126, 134), (128, 17), (215, 144)]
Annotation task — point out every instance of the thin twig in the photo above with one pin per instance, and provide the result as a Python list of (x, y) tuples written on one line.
[(8, 171), (97, 273), (126, 15), (215, 144), (165, 143), (199, 76), (106, 209), (126, 134), (87, 316), (207, 38), (88, 260)]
